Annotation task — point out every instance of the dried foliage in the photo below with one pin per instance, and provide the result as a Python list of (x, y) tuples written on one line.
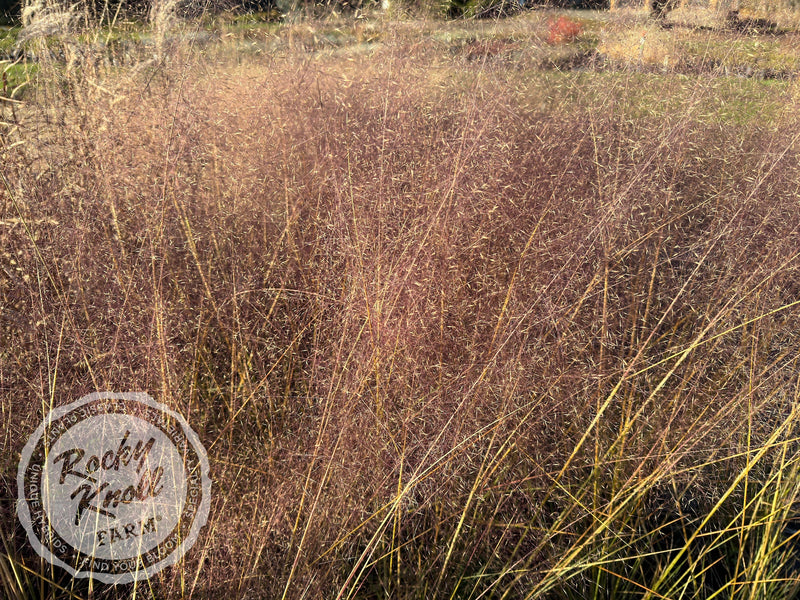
[(562, 30)]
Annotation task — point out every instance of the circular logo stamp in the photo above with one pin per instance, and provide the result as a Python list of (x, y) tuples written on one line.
[(113, 486)]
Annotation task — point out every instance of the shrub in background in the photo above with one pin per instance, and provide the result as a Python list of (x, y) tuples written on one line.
[(9, 12), (562, 30)]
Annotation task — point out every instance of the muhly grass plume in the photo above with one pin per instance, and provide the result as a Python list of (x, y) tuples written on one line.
[(442, 336)]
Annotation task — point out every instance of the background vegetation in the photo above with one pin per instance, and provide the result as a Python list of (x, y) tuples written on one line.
[(493, 309)]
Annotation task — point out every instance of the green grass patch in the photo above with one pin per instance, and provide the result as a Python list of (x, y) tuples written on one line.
[(17, 78), (636, 95), (775, 53), (8, 39)]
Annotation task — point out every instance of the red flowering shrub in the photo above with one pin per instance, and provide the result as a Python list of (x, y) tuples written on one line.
[(562, 30)]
